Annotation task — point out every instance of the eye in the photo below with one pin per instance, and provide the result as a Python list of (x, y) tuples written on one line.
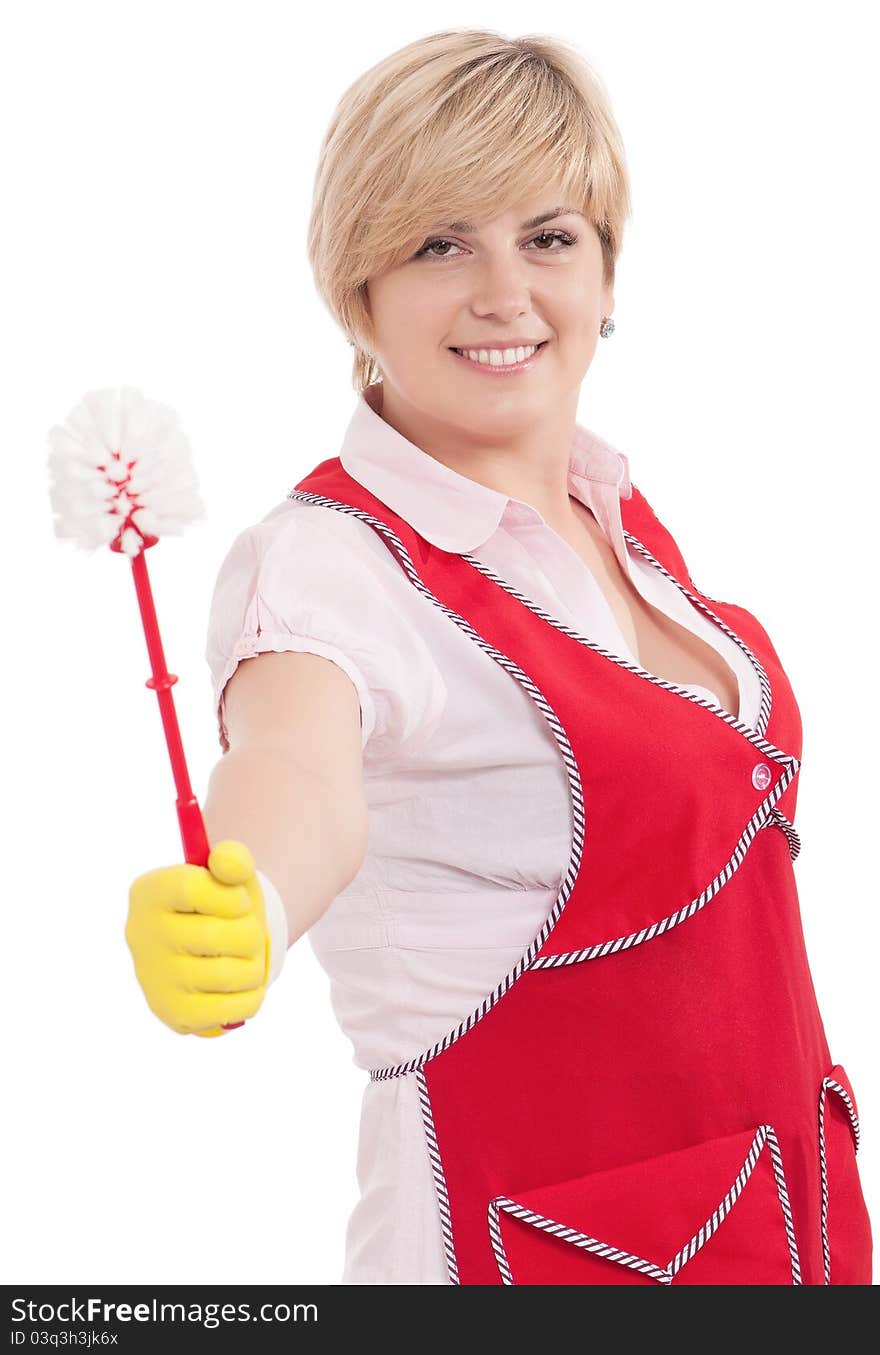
[(563, 236), (565, 241), (431, 245)]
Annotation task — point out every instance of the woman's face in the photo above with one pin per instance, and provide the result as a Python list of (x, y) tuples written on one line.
[(498, 284)]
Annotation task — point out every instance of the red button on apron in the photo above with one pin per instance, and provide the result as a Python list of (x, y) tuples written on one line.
[(761, 776)]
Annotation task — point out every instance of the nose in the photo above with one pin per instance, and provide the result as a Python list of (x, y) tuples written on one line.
[(500, 288)]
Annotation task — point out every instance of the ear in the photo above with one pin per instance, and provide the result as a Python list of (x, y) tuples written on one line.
[(608, 298)]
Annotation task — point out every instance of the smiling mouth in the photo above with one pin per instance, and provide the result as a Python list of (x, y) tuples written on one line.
[(501, 367)]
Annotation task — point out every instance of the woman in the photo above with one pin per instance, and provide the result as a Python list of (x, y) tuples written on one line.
[(531, 793)]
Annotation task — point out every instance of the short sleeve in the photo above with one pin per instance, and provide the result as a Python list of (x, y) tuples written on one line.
[(314, 580)]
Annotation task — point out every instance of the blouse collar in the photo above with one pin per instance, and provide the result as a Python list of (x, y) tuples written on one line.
[(448, 509)]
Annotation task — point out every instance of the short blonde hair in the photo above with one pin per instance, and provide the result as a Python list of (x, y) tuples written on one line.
[(462, 123)]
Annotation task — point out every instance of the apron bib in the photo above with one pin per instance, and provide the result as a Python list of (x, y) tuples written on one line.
[(648, 1096)]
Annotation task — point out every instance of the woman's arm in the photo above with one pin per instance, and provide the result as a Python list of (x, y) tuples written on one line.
[(291, 785)]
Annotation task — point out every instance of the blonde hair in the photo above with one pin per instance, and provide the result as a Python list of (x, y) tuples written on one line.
[(460, 123)]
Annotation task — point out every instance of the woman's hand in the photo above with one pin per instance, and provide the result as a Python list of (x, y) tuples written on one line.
[(200, 941)]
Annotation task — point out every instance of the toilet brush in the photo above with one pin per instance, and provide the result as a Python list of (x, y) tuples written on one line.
[(121, 475)]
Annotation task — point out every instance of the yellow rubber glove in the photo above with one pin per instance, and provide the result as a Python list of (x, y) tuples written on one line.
[(200, 940)]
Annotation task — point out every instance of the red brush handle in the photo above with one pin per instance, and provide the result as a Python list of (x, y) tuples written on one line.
[(196, 847)]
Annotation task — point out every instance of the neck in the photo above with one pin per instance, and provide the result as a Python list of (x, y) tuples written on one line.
[(531, 465)]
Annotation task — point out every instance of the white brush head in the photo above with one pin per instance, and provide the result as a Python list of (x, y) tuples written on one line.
[(120, 467)]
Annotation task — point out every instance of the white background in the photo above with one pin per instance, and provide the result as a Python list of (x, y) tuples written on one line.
[(157, 168)]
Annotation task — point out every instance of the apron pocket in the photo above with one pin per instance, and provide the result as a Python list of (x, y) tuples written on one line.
[(716, 1213), (846, 1228)]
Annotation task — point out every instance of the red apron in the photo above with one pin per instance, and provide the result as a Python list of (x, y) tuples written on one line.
[(647, 1097)]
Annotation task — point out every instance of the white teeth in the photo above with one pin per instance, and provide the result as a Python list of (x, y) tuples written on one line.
[(498, 357)]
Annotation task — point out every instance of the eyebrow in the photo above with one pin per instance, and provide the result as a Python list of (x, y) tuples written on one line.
[(466, 228)]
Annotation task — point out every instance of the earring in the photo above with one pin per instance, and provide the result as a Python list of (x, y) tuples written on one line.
[(351, 343)]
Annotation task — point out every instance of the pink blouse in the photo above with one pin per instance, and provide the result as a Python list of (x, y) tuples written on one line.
[(469, 811)]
